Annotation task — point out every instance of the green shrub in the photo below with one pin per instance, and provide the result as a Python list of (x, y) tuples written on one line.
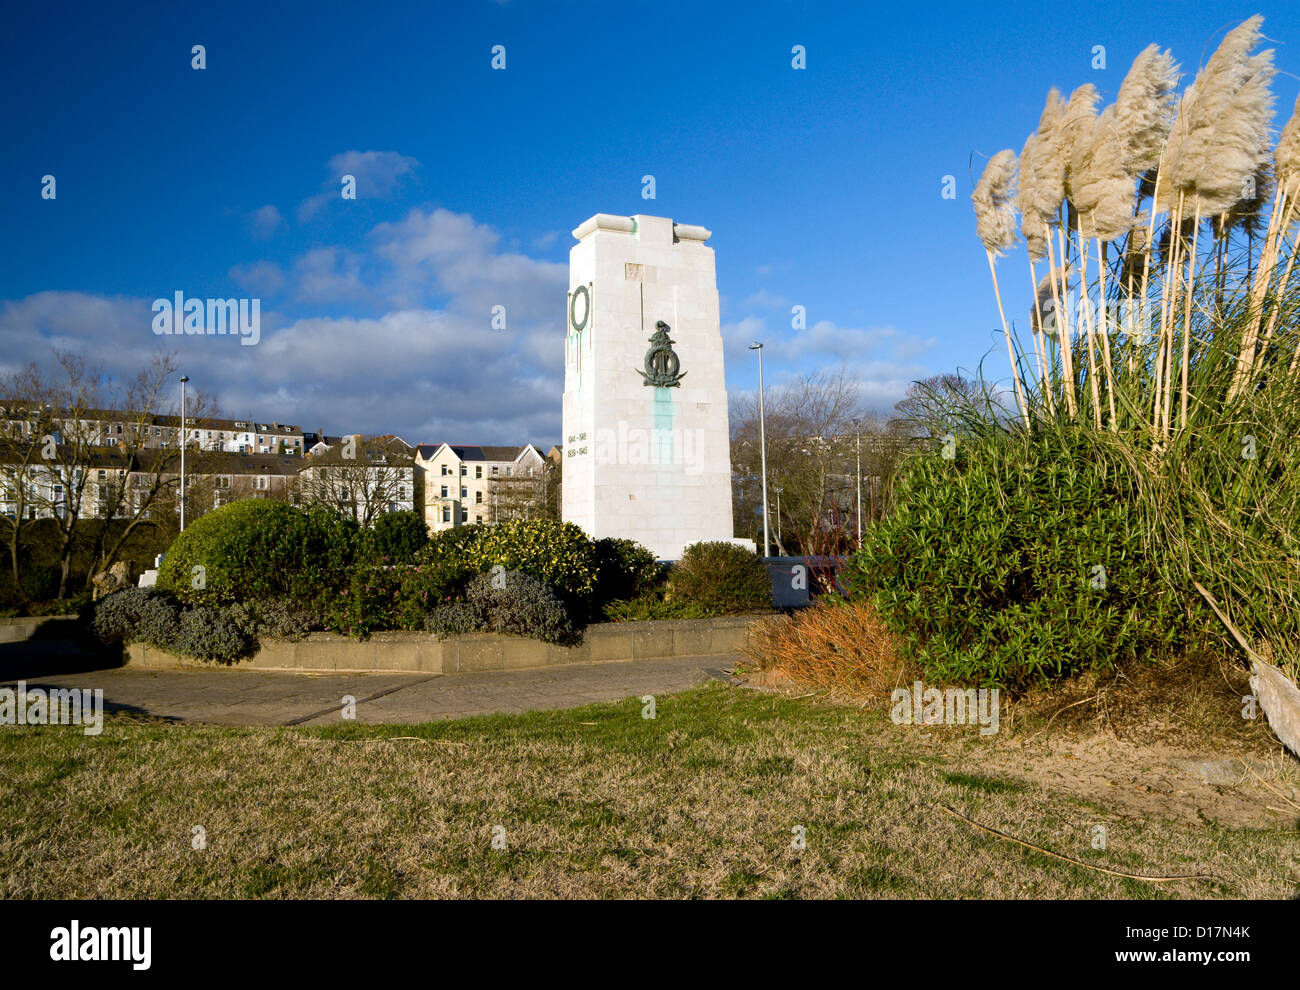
[(208, 633), (273, 618), (624, 570), (142, 615), (505, 602), (258, 548), (136, 615), (652, 605), (722, 578), (988, 565), (367, 601), (558, 554), (397, 537), (436, 576), (40, 583)]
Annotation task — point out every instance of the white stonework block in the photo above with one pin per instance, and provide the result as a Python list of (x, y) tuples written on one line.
[(643, 462)]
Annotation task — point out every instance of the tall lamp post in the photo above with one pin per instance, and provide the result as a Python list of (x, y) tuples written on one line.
[(184, 379), (762, 442), (857, 425)]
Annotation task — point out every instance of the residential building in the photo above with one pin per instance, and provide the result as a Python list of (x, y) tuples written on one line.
[(465, 484)]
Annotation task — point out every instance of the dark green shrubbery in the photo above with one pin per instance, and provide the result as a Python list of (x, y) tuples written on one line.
[(140, 615), (208, 633), (437, 575), (720, 578), (397, 537), (258, 548), (274, 618), (136, 615), (989, 565), (505, 602), (624, 570)]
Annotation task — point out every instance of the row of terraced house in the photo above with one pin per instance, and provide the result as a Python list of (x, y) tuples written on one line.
[(115, 463)]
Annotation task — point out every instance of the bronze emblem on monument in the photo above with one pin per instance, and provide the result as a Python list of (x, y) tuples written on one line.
[(661, 362)]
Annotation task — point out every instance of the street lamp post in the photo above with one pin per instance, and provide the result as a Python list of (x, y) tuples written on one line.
[(762, 442), (184, 379), (857, 424)]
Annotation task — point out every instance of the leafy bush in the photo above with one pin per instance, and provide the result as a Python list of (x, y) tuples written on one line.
[(208, 633), (990, 566), (624, 570), (40, 583), (398, 536), (367, 601), (722, 578), (258, 548), (136, 615), (653, 605), (558, 554), (274, 618), (506, 602), (435, 577)]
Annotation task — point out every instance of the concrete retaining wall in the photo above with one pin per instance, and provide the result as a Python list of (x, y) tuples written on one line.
[(423, 653), (50, 626)]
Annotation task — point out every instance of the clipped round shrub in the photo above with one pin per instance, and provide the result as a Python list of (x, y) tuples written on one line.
[(397, 537), (558, 554), (721, 578), (1018, 562), (258, 548)]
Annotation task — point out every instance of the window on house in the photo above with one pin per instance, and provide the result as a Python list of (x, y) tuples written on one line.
[(478, 519), (510, 472), (444, 491), (446, 513), (464, 492), (445, 471), (478, 470), (478, 498), (495, 470), (464, 470), (464, 515)]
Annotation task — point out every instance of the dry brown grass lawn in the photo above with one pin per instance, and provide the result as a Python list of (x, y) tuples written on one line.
[(706, 800)]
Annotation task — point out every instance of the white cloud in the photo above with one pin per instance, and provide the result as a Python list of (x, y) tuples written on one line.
[(262, 278), (379, 174), (264, 222)]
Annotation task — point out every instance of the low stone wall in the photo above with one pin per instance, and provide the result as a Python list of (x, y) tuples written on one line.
[(51, 627), (423, 653)]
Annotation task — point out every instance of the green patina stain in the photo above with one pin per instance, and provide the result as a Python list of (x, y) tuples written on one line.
[(664, 424)]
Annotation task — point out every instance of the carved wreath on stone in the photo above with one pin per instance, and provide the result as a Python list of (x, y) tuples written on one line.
[(661, 362)]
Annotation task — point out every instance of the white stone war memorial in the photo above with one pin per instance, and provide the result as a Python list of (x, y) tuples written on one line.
[(646, 449)]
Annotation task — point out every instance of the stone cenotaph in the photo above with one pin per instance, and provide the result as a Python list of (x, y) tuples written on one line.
[(646, 449)]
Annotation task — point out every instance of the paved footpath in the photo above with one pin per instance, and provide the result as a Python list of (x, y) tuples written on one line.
[(255, 697)]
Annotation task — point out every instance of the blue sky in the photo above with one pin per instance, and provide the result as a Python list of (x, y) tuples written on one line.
[(821, 186)]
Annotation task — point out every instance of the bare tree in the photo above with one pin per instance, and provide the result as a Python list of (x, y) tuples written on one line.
[(27, 432), (934, 406), (524, 496), (810, 438), (360, 478)]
